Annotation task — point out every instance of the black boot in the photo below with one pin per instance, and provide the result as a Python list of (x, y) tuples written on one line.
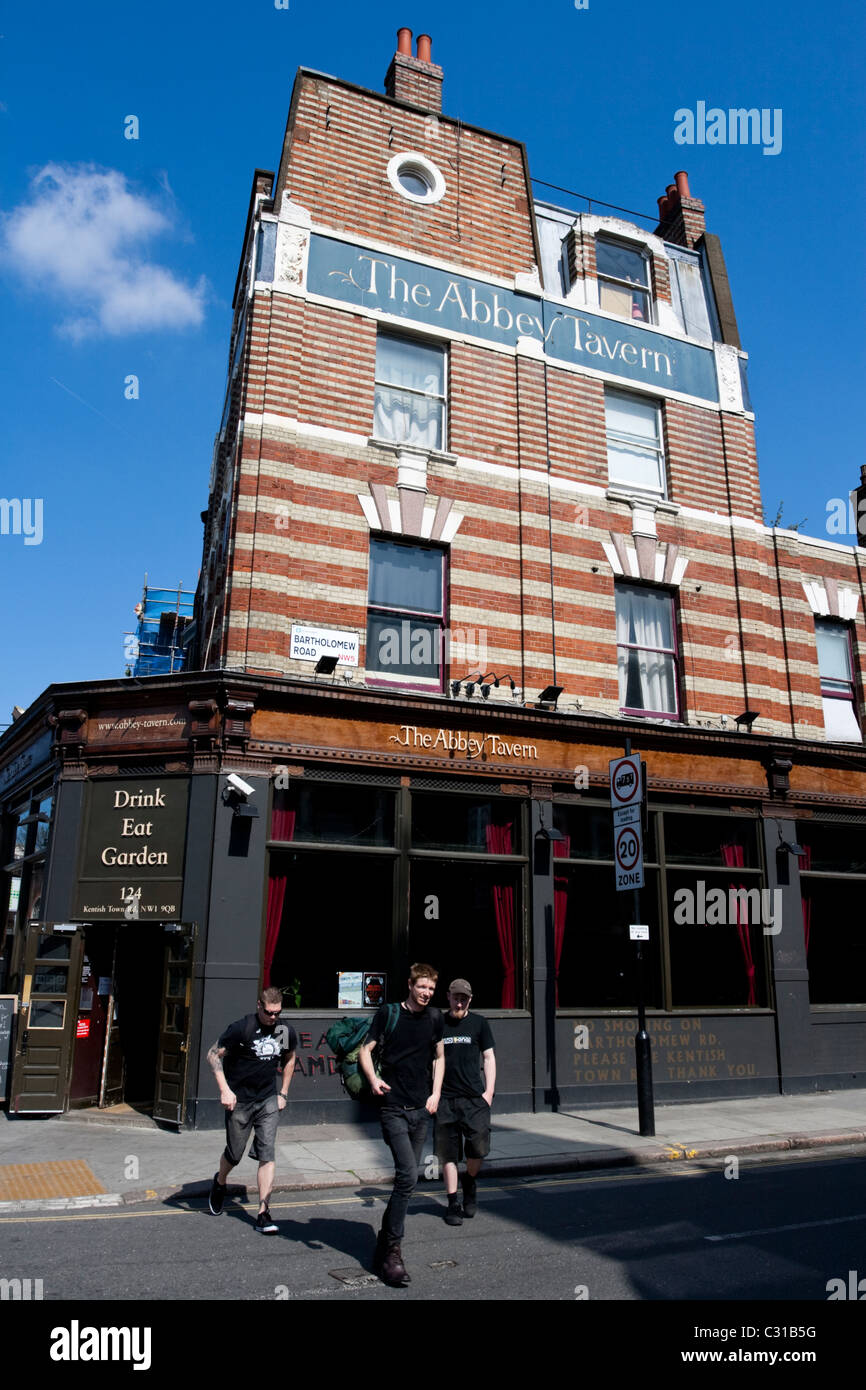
[(393, 1270), (470, 1196), (454, 1213)]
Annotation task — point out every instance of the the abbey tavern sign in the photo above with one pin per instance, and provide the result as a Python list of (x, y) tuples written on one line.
[(426, 295)]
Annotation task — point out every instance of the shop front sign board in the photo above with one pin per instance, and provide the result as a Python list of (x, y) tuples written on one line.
[(131, 865)]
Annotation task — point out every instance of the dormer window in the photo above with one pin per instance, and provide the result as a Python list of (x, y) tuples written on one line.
[(623, 280)]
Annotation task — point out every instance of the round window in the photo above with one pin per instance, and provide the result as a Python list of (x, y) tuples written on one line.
[(413, 182), (416, 178)]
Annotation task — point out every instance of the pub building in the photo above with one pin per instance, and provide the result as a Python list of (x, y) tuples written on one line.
[(483, 505)]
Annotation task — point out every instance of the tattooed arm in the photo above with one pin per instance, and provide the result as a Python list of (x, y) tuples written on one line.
[(215, 1057)]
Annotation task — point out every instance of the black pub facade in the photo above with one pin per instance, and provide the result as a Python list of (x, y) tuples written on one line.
[(147, 900)]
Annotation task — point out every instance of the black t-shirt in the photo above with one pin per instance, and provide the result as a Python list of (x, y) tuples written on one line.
[(251, 1067), (465, 1039), (405, 1059)]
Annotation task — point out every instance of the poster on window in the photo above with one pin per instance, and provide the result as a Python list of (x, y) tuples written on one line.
[(375, 989), (350, 989)]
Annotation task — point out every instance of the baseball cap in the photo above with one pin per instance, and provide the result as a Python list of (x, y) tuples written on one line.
[(460, 987)]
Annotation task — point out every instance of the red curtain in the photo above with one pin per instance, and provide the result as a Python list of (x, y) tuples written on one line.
[(805, 862), (732, 857), (561, 850), (282, 828), (498, 838)]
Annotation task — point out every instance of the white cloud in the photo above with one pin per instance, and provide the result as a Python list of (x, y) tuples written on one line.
[(80, 236)]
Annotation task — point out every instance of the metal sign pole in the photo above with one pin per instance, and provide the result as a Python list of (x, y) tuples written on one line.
[(642, 1044)]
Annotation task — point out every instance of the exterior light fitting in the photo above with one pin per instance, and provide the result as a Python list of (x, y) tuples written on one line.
[(549, 696), (747, 718)]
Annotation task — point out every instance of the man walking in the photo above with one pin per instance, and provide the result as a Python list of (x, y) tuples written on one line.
[(253, 1064), (409, 1098), (463, 1117)]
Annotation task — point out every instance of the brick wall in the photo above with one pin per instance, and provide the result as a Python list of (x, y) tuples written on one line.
[(287, 539)]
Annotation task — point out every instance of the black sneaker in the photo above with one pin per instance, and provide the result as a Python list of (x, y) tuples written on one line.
[(217, 1195), (470, 1197), (265, 1224), (454, 1213)]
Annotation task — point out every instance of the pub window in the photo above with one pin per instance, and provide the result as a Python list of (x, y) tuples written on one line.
[(703, 899), (406, 613), (26, 840), (646, 651), (635, 458), (410, 392), (836, 667), (330, 900), (691, 302), (832, 884), (623, 280), (338, 899), (466, 893)]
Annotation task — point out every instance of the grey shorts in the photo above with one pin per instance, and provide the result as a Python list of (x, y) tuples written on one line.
[(260, 1115)]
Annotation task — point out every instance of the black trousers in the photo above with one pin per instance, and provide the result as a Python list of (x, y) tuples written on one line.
[(404, 1131)]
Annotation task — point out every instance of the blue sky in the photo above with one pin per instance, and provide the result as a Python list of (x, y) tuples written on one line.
[(118, 257)]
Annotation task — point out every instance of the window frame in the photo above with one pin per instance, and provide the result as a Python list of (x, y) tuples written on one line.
[(681, 255), (827, 683), (376, 676), (442, 348), (605, 278), (414, 163), (633, 442), (673, 652), (660, 864)]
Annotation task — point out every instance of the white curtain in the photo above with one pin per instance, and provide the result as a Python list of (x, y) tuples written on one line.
[(413, 414), (646, 677)]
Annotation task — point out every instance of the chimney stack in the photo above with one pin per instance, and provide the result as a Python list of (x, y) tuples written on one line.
[(681, 217), (415, 80)]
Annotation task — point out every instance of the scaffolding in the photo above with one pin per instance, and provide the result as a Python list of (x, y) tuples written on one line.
[(156, 648)]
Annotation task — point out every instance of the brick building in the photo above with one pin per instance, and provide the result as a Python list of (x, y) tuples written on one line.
[(495, 459)]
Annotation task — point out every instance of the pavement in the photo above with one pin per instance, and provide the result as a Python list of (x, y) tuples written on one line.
[(116, 1157)]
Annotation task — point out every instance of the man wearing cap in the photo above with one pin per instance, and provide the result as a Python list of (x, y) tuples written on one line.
[(463, 1117)]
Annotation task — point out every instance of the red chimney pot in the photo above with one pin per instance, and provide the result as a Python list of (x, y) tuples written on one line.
[(682, 179), (425, 46), (663, 208), (404, 42)]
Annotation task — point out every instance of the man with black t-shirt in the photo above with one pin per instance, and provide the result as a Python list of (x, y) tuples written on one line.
[(409, 1098), (253, 1063), (463, 1117)]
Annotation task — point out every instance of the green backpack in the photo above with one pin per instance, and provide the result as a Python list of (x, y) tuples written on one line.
[(345, 1038)]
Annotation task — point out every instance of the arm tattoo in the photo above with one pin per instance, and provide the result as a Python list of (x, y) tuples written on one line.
[(215, 1056)]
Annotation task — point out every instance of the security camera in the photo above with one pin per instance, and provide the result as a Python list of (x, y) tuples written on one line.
[(239, 785)]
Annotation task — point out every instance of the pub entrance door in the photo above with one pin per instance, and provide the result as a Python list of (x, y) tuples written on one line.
[(104, 1018)]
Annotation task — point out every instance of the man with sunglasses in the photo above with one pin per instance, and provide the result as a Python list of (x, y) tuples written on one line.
[(253, 1062)]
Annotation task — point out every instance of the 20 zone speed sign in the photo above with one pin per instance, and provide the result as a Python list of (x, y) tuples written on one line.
[(628, 853)]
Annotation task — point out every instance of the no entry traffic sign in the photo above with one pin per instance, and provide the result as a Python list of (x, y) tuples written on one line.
[(626, 785)]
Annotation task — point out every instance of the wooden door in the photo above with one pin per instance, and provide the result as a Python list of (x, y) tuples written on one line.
[(47, 1016), (172, 1050)]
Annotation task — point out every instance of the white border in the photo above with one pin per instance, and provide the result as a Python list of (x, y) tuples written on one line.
[(411, 161)]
